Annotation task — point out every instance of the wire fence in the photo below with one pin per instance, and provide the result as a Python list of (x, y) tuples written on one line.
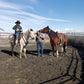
[(76, 39)]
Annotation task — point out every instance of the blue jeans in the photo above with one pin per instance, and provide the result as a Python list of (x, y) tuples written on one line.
[(17, 35), (40, 46)]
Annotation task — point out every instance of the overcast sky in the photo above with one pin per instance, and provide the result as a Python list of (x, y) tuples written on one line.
[(59, 15)]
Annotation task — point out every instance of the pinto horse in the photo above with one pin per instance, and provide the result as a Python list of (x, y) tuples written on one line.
[(23, 41), (55, 39)]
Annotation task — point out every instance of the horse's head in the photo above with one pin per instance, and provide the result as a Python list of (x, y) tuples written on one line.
[(45, 30), (31, 33)]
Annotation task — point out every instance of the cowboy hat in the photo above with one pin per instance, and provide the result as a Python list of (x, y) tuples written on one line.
[(18, 22)]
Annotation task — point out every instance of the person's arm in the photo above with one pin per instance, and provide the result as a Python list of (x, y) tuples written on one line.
[(36, 38), (20, 29), (14, 28), (42, 37)]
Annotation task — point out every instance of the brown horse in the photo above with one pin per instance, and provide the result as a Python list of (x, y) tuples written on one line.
[(55, 39)]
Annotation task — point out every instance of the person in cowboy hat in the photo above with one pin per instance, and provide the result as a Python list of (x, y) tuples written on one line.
[(17, 29)]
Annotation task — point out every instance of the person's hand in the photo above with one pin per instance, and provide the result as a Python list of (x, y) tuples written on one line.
[(17, 29), (42, 37)]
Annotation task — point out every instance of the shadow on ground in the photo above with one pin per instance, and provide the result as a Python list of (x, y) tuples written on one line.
[(71, 77), (9, 52), (81, 52), (34, 52)]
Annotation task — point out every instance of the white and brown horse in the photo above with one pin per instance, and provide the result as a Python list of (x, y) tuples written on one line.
[(23, 41)]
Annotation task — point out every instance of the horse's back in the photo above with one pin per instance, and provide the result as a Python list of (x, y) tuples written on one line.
[(62, 35)]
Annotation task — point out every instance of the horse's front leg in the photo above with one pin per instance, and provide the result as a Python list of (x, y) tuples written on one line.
[(56, 46), (52, 45), (25, 53), (53, 49), (21, 51)]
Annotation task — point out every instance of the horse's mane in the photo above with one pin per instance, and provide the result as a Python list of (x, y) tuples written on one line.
[(54, 34), (26, 34)]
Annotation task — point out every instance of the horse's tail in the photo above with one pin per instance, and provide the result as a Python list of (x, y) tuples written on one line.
[(65, 46), (65, 42)]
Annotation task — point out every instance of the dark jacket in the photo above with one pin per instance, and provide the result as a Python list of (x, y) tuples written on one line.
[(17, 27)]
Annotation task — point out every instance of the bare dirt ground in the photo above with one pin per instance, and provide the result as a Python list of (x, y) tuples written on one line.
[(67, 69)]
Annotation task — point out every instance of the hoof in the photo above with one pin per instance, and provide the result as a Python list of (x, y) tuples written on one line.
[(12, 55), (20, 57), (57, 55), (25, 57)]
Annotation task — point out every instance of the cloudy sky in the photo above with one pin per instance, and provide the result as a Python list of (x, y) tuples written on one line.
[(59, 15)]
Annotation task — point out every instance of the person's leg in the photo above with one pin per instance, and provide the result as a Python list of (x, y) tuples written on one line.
[(38, 51), (41, 46), (17, 37)]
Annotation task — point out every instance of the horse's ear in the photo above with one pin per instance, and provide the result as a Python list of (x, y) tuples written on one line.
[(31, 29), (47, 26)]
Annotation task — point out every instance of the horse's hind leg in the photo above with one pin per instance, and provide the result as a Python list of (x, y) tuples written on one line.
[(65, 46), (62, 48), (12, 50), (52, 49), (56, 50), (25, 53)]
